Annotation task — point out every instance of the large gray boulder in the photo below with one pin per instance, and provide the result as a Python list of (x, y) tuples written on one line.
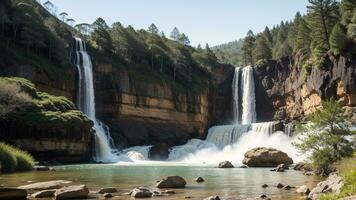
[(12, 193), (141, 192), (47, 185), (72, 192), (171, 182), (225, 164), (333, 184), (266, 157)]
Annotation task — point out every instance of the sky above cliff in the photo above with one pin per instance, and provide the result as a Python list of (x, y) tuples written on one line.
[(204, 21)]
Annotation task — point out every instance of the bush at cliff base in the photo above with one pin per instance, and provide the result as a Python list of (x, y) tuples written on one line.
[(13, 159)]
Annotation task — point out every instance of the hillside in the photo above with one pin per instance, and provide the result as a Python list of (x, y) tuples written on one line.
[(229, 53)]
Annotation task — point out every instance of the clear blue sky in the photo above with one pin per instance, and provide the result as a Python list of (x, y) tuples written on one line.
[(204, 21)]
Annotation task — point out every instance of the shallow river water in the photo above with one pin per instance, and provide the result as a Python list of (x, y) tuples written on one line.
[(233, 183)]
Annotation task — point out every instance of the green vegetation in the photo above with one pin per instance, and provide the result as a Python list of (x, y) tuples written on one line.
[(30, 35), (325, 138), (13, 159), (328, 28), (150, 56), (38, 108), (347, 170)]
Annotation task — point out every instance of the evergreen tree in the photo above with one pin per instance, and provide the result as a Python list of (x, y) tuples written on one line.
[(247, 48), (323, 15), (210, 55), (351, 28), (302, 42), (348, 8), (262, 51), (325, 138), (338, 39), (282, 47), (153, 29), (175, 34), (183, 39), (100, 35), (268, 36), (199, 48)]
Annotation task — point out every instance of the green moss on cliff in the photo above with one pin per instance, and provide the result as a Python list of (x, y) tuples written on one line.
[(46, 110)]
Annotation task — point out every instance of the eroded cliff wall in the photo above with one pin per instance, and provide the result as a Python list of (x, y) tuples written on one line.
[(284, 92), (143, 113)]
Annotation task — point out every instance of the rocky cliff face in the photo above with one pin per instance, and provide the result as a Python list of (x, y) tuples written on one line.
[(285, 93), (150, 113)]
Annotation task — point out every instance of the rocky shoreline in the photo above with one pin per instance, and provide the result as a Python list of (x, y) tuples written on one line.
[(169, 186)]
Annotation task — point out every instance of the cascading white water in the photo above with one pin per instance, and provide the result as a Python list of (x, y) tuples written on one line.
[(86, 102), (230, 142), (248, 96), (235, 94)]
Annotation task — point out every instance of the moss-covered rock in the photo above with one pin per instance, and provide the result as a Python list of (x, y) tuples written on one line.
[(48, 125)]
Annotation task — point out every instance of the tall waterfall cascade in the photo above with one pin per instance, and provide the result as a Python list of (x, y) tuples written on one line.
[(85, 101), (225, 142), (230, 142)]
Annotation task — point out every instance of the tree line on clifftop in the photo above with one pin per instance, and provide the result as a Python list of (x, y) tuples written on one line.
[(328, 28)]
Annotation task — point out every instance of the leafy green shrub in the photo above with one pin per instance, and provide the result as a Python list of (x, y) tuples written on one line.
[(13, 159)]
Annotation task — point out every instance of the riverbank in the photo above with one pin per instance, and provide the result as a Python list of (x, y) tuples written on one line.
[(236, 183)]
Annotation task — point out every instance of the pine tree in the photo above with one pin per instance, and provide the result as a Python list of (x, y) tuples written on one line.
[(100, 35), (153, 29), (262, 51), (175, 34), (183, 39), (282, 47), (302, 42), (325, 139), (338, 39), (323, 15), (351, 28), (348, 8), (247, 48), (268, 36)]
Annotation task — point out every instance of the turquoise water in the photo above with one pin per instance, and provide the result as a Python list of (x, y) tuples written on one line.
[(227, 183)]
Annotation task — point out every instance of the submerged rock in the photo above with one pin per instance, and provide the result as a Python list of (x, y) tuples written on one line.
[(141, 192), (199, 180), (264, 186), (266, 157), (41, 168), (333, 184), (171, 182), (279, 185), (12, 193), (107, 195), (225, 164), (43, 194), (47, 185), (72, 192), (212, 198), (107, 190)]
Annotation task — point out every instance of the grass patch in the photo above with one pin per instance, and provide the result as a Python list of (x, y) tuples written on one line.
[(13, 159), (347, 170)]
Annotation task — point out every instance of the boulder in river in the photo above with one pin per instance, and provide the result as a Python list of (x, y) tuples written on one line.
[(107, 195), (41, 168), (44, 194), (141, 192), (72, 192), (171, 182), (12, 193), (107, 190), (266, 157), (47, 185), (199, 180), (225, 164)]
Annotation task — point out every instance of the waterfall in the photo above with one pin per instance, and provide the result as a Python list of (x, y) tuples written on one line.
[(235, 94), (86, 103), (248, 96)]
